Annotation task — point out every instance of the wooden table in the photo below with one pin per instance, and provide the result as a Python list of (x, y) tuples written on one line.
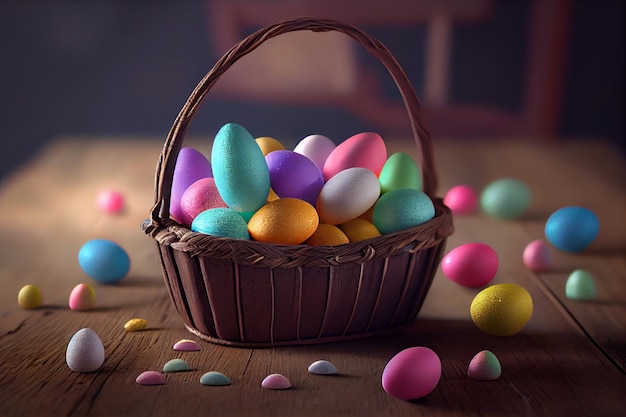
[(569, 360)]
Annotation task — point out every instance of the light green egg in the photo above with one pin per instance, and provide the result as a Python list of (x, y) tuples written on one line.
[(580, 286), (400, 171), (402, 209), (505, 199)]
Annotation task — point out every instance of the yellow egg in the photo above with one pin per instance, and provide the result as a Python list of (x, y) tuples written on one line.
[(359, 229), (288, 221), (29, 297), (268, 144), (327, 235), (272, 195), (502, 309)]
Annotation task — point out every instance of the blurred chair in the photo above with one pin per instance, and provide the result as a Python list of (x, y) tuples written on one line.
[(304, 68)]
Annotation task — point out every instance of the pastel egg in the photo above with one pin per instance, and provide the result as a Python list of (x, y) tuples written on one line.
[(359, 229), (347, 195), (29, 297), (484, 366), (294, 175), (104, 260), (365, 150), (572, 229), (239, 169), (82, 298), (400, 171), (316, 148), (580, 286), (268, 144), (402, 209), (110, 201), (537, 256), (191, 165), (224, 222), (327, 235), (200, 196), (505, 199), (286, 221), (471, 264), (501, 309), (461, 199), (412, 373), (85, 351)]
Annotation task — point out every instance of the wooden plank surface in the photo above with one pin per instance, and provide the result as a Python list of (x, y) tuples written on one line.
[(569, 359)]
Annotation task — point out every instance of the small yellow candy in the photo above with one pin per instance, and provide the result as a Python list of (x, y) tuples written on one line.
[(29, 297), (135, 325)]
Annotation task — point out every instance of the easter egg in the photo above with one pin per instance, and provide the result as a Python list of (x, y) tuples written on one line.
[(402, 209), (501, 309), (506, 198), (572, 229), (200, 196), (359, 229), (537, 256), (316, 148), (461, 199), (267, 144), (484, 366), (29, 297), (580, 286), (85, 351), (224, 222), (110, 201), (365, 150), (470, 264), (104, 260), (294, 175), (286, 221), (327, 235), (82, 298), (347, 195), (239, 169), (191, 165), (400, 171), (412, 373)]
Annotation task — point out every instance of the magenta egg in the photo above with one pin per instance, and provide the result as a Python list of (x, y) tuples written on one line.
[(198, 197), (412, 373), (364, 150), (537, 256), (471, 265), (462, 199), (294, 175)]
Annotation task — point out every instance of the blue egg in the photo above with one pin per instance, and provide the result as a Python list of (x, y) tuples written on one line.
[(224, 222), (104, 260), (572, 229)]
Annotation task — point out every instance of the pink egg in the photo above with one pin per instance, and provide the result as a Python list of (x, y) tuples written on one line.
[(462, 199), (365, 150), (538, 256), (294, 175), (412, 373), (110, 201), (198, 197), (316, 148), (471, 265), (191, 165)]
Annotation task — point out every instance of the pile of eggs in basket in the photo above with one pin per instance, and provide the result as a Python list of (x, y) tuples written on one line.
[(318, 193)]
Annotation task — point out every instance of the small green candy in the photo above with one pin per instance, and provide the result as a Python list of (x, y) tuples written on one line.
[(176, 365), (214, 378), (580, 286)]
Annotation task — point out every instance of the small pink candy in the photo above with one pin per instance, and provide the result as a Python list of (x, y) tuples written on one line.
[(151, 378), (110, 201), (186, 345), (484, 366), (462, 199), (276, 381), (538, 256)]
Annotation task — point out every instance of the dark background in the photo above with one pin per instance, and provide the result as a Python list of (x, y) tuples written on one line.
[(114, 68)]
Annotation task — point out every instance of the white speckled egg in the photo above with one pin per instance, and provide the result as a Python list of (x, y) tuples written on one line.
[(85, 351), (316, 148)]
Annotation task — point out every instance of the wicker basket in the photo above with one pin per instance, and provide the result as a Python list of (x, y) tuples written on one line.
[(255, 294)]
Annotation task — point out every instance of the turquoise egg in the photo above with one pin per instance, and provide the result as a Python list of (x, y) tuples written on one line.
[(572, 229), (104, 260), (506, 198), (400, 171), (224, 222), (239, 169), (402, 209)]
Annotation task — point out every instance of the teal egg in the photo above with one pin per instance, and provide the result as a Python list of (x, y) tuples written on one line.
[(402, 209), (239, 169), (506, 198), (104, 260), (400, 171), (224, 222), (580, 286)]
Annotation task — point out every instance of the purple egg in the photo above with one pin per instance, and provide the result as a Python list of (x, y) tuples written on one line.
[(294, 175), (191, 165)]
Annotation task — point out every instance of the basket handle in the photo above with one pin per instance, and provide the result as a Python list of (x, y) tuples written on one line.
[(173, 143)]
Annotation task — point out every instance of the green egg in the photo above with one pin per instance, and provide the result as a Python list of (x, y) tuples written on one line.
[(505, 199), (221, 221), (400, 171), (402, 209), (580, 286)]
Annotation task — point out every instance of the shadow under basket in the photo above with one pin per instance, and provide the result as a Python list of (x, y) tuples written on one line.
[(255, 294)]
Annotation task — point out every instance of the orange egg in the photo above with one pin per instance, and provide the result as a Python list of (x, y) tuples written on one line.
[(359, 229), (272, 195), (327, 235), (288, 221)]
